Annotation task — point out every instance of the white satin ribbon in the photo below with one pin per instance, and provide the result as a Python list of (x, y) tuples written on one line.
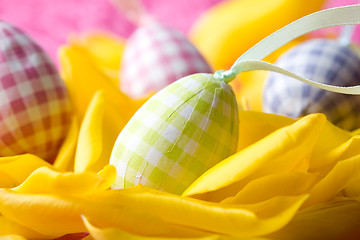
[(252, 59)]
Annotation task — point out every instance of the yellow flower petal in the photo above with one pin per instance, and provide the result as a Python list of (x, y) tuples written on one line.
[(83, 78), (55, 216), (106, 50), (232, 220), (98, 133), (336, 220), (343, 173), (47, 181), (12, 237), (254, 126), (331, 137), (352, 189), (49, 215), (113, 123), (355, 132), (7, 181), (158, 213), (279, 152), (17, 168), (108, 233), (116, 233), (65, 158), (283, 184), (8, 227), (90, 141), (346, 150)]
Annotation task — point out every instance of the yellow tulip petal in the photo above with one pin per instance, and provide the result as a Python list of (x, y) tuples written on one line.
[(108, 174), (48, 215), (232, 37), (350, 148), (98, 134), (7, 181), (104, 46), (55, 216), (336, 220), (279, 152), (106, 50), (47, 181), (346, 150), (283, 184), (232, 220), (109, 233), (342, 174), (355, 132), (181, 211), (12, 237), (352, 189), (158, 213), (15, 169), (116, 233), (90, 141), (331, 137), (65, 158), (113, 123), (83, 78), (8, 227), (254, 126)]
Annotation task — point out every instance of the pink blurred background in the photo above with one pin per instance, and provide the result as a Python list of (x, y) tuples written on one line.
[(49, 22)]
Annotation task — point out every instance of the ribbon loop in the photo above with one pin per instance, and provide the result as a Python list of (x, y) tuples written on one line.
[(251, 59), (348, 15), (250, 65)]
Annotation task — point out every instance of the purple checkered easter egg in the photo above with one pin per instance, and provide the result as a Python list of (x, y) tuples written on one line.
[(156, 55), (34, 104), (324, 61)]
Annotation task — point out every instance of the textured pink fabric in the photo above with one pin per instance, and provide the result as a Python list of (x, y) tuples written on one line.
[(50, 21)]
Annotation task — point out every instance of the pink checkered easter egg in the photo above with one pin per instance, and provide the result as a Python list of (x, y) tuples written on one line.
[(156, 55), (34, 104)]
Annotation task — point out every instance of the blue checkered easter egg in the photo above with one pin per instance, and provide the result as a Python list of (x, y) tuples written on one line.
[(178, 134), (34, 105), (156, 55), (324, 61)]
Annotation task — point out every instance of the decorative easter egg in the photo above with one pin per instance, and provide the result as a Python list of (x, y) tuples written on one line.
[(34, 105), (324, 61), (178, 134), (156, 55)]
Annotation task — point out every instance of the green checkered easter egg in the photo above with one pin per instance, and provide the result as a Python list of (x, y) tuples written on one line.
[(177, 135)]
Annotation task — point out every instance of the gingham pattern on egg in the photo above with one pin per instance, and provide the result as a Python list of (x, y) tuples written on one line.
[(177, 135), (324, 61), (155, 56), (34, 105)]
